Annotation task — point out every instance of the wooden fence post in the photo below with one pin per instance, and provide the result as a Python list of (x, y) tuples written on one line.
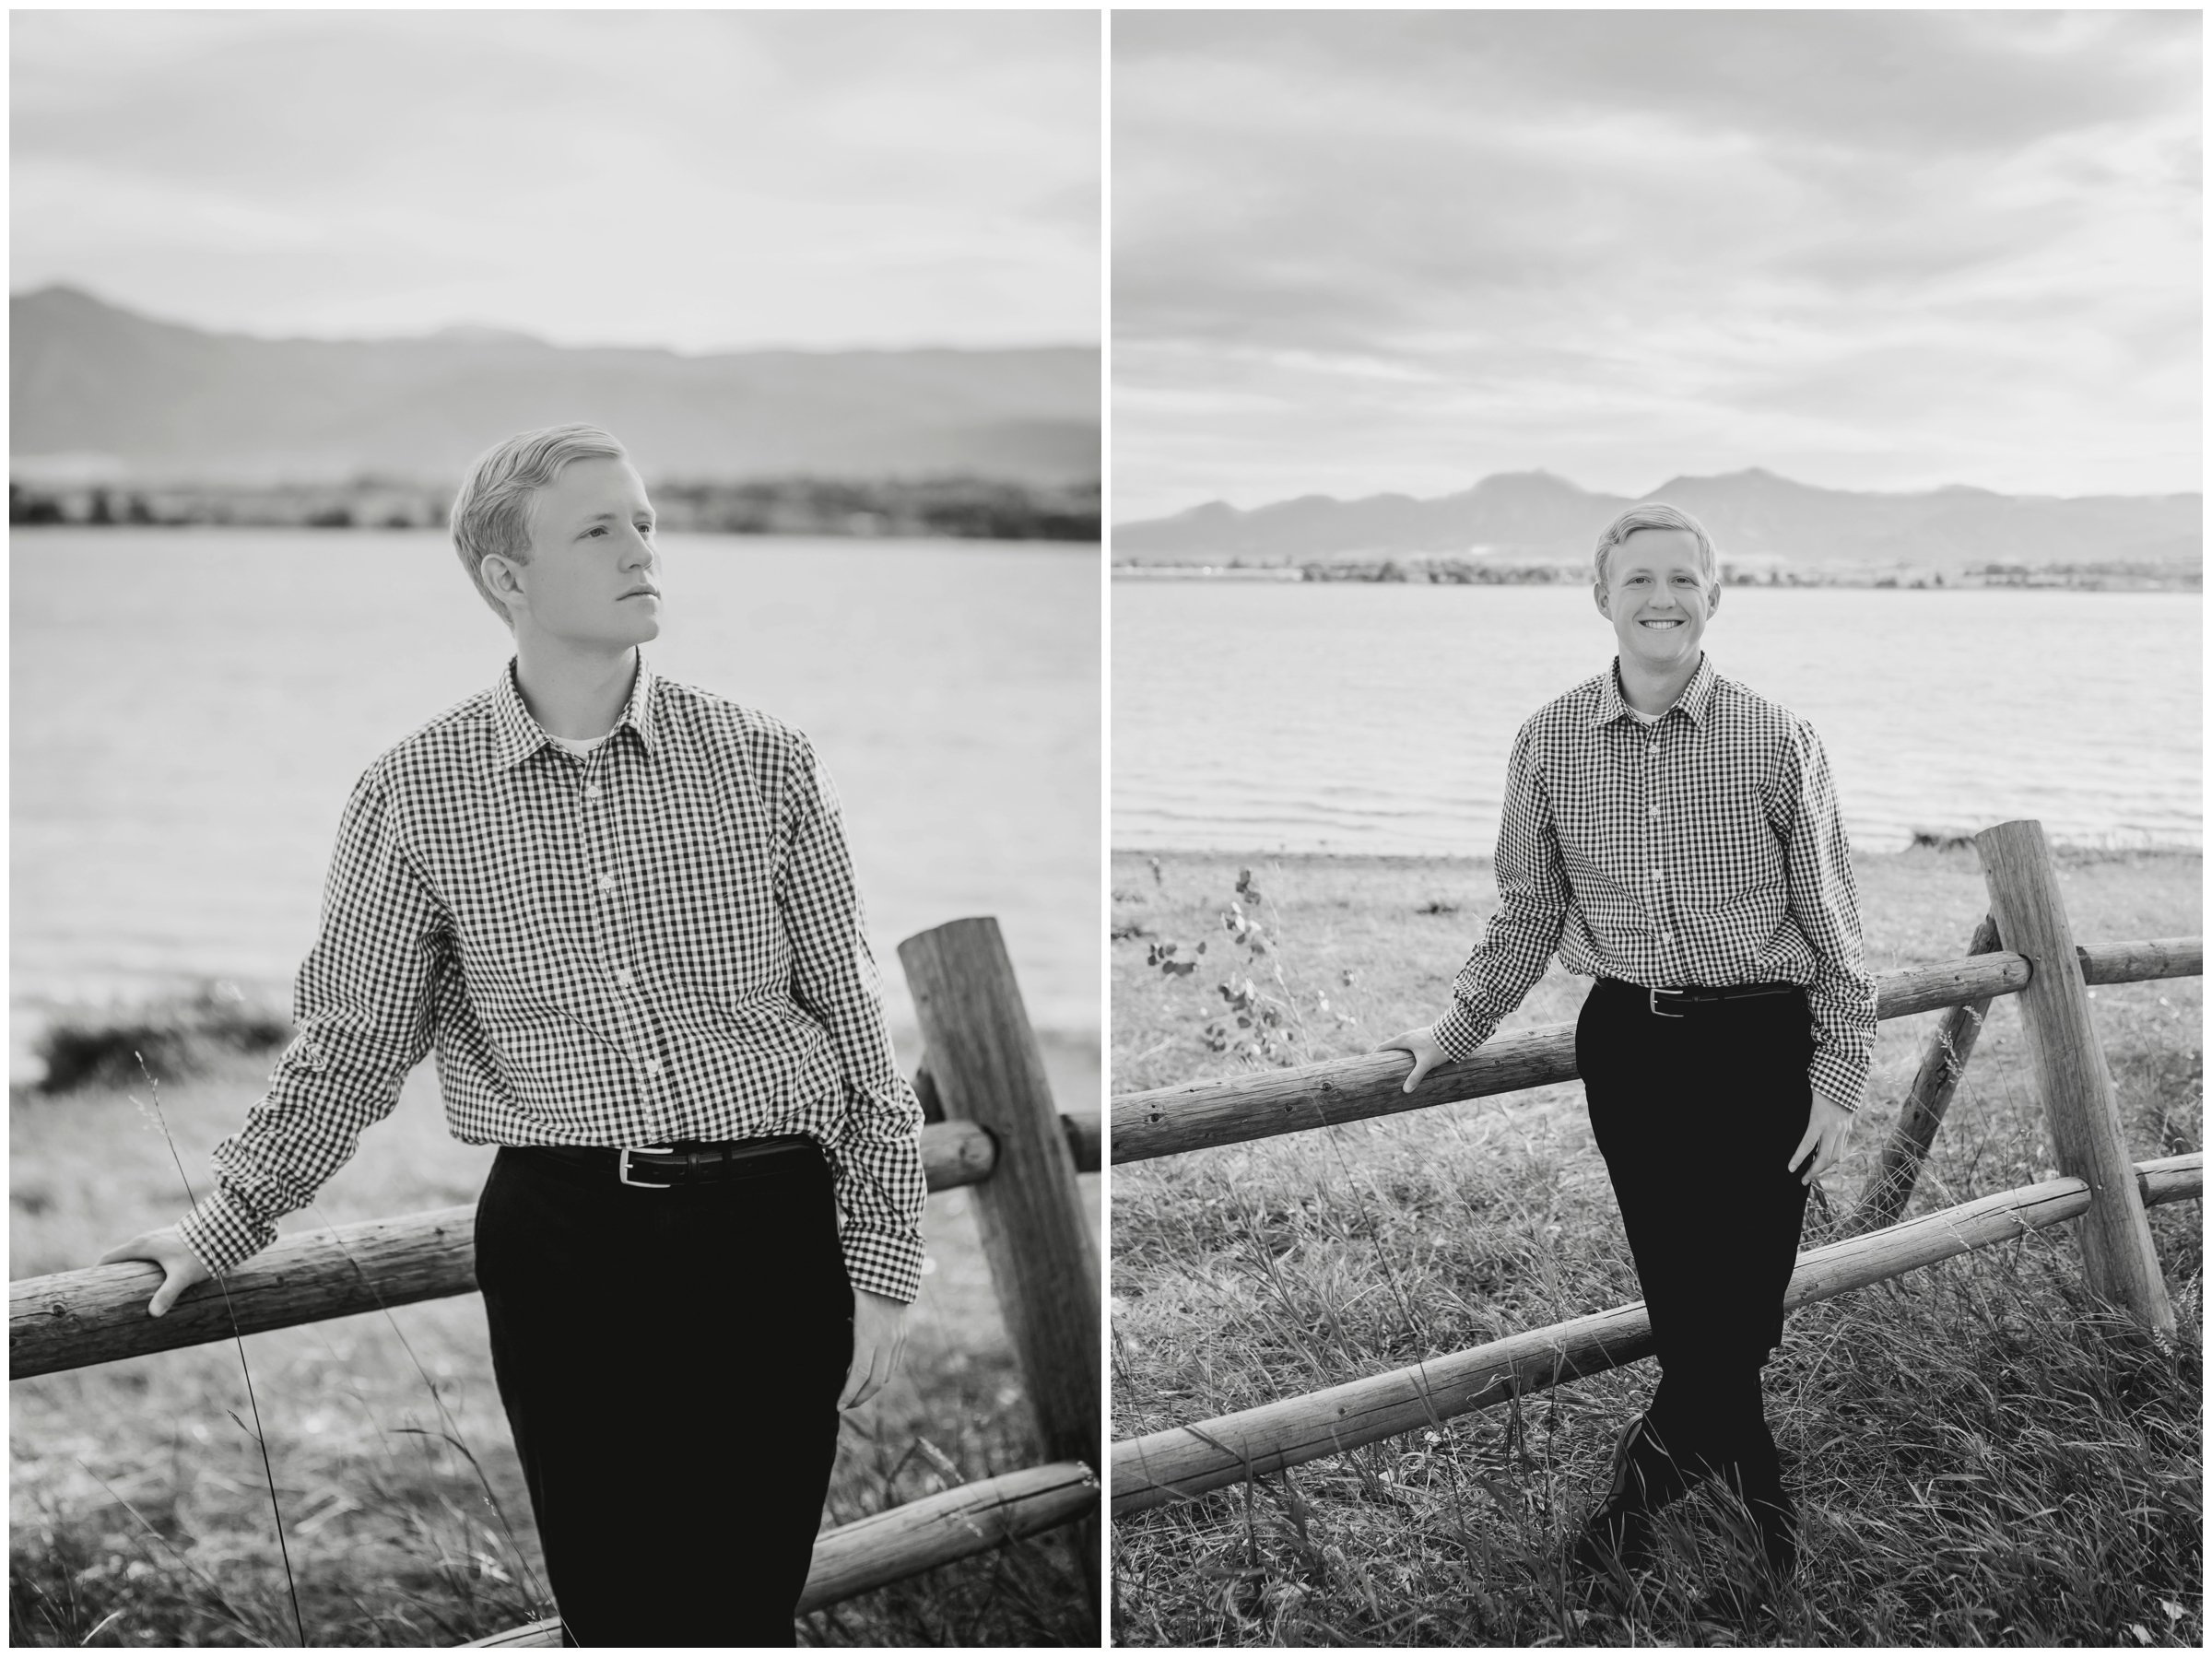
[(2079, 1103), (988, 1068), (1950, 1047)]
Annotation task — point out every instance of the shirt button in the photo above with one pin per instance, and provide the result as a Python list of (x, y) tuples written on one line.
[(1655, 811), (652, 1067), (591, 793), (606, 883), (622, 977)]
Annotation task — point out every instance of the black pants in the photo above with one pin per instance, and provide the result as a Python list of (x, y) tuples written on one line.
[(670, 1361), (1697, 1116)]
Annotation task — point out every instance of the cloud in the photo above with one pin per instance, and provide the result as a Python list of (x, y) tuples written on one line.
[(703, 178), (1887, 228)]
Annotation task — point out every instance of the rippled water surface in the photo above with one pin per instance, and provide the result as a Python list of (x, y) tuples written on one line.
[(1255, 716), (191, 707)]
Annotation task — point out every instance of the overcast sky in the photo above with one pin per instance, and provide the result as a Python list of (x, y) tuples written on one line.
[(701, 180), (1364, 251)]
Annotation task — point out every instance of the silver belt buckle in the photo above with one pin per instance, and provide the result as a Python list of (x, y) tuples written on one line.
[(1655, 994), (622, 1166)]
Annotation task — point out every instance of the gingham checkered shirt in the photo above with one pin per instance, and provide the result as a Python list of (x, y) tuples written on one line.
[(1705, 849), (659, 940)]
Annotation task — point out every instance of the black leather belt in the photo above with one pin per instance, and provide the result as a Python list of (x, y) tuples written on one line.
[(657, 1167), (1670, 1004)]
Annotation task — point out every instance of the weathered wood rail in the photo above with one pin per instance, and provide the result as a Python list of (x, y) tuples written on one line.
[(2099, 1187), (999, 1132), (97, 1314), (1166, 1122), (1187, 1461), (916, 1536)]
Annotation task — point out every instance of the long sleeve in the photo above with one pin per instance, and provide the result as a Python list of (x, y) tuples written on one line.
[(1533, 898), (1824, 902), (363, 1007), (877, 1153)]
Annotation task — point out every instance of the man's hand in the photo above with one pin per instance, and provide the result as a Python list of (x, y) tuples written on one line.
[(879, 1337), (181, 1268), (1825, 1134), (1427, 1055)]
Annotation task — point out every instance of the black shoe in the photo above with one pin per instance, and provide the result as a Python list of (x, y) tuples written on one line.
[(1645, 1478)]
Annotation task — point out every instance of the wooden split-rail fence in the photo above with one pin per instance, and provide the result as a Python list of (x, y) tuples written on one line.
[(2025, 947), (992, 1125)]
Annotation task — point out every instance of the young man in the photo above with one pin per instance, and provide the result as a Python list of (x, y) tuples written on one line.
[(1675, 837), (622, 911)]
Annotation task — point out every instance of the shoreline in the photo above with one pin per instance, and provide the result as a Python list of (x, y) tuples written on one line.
[(1420, 571), (2065, 852)]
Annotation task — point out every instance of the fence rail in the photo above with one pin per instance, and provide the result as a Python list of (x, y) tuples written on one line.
[(97, 1314), (999, 1133), (1167, 1122), (2098, 1185), (1178, 1461), (916, 1536)]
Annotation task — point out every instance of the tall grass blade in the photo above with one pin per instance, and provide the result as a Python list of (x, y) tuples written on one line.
[(254, 1403)]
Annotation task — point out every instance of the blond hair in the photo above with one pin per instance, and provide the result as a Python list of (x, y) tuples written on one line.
[(491, 513), (1655, 514)]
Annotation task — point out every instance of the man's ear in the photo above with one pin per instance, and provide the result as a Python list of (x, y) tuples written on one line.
[(502, 578), (1712, 599), (1597, 590)]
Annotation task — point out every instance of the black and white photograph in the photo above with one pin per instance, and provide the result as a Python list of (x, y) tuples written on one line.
[(556, 615), (1656, 828)]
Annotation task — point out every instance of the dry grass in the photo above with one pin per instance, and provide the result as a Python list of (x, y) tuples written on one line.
[(138, 1512), (1983, 1455)]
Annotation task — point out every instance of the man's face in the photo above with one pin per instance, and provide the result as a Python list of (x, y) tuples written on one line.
[(594, 574), (1657, 599)]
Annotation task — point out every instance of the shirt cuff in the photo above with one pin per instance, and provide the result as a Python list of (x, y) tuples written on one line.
[(1837, 1077), (1459, 1034), (222, 1234), (883, 1264)]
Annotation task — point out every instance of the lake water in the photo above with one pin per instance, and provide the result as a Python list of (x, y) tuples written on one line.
[(191, 707), (1377, 717)]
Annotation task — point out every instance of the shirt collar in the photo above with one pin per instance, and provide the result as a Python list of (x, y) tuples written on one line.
[(516, 736), (1697, 696)]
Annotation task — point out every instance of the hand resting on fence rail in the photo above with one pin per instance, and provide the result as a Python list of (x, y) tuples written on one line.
[(1181, 1462), (96, 1314), (1164, 1121)]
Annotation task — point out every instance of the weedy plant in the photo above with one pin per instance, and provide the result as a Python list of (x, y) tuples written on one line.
[(1261, 1025)]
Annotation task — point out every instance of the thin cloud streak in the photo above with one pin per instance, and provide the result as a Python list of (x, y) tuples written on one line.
[(1364, 251), (704, 180)]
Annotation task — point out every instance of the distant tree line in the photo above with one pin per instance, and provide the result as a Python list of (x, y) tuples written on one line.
[(974, 508)]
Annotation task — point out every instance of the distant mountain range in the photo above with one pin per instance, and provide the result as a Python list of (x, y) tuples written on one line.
[(1754, 517), (97, 390)]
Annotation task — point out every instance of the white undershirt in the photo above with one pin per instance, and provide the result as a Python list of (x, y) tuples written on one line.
[(580, 746)]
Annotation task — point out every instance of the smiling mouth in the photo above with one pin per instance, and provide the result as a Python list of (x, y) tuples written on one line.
[(1663, 625), (643, 592)]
